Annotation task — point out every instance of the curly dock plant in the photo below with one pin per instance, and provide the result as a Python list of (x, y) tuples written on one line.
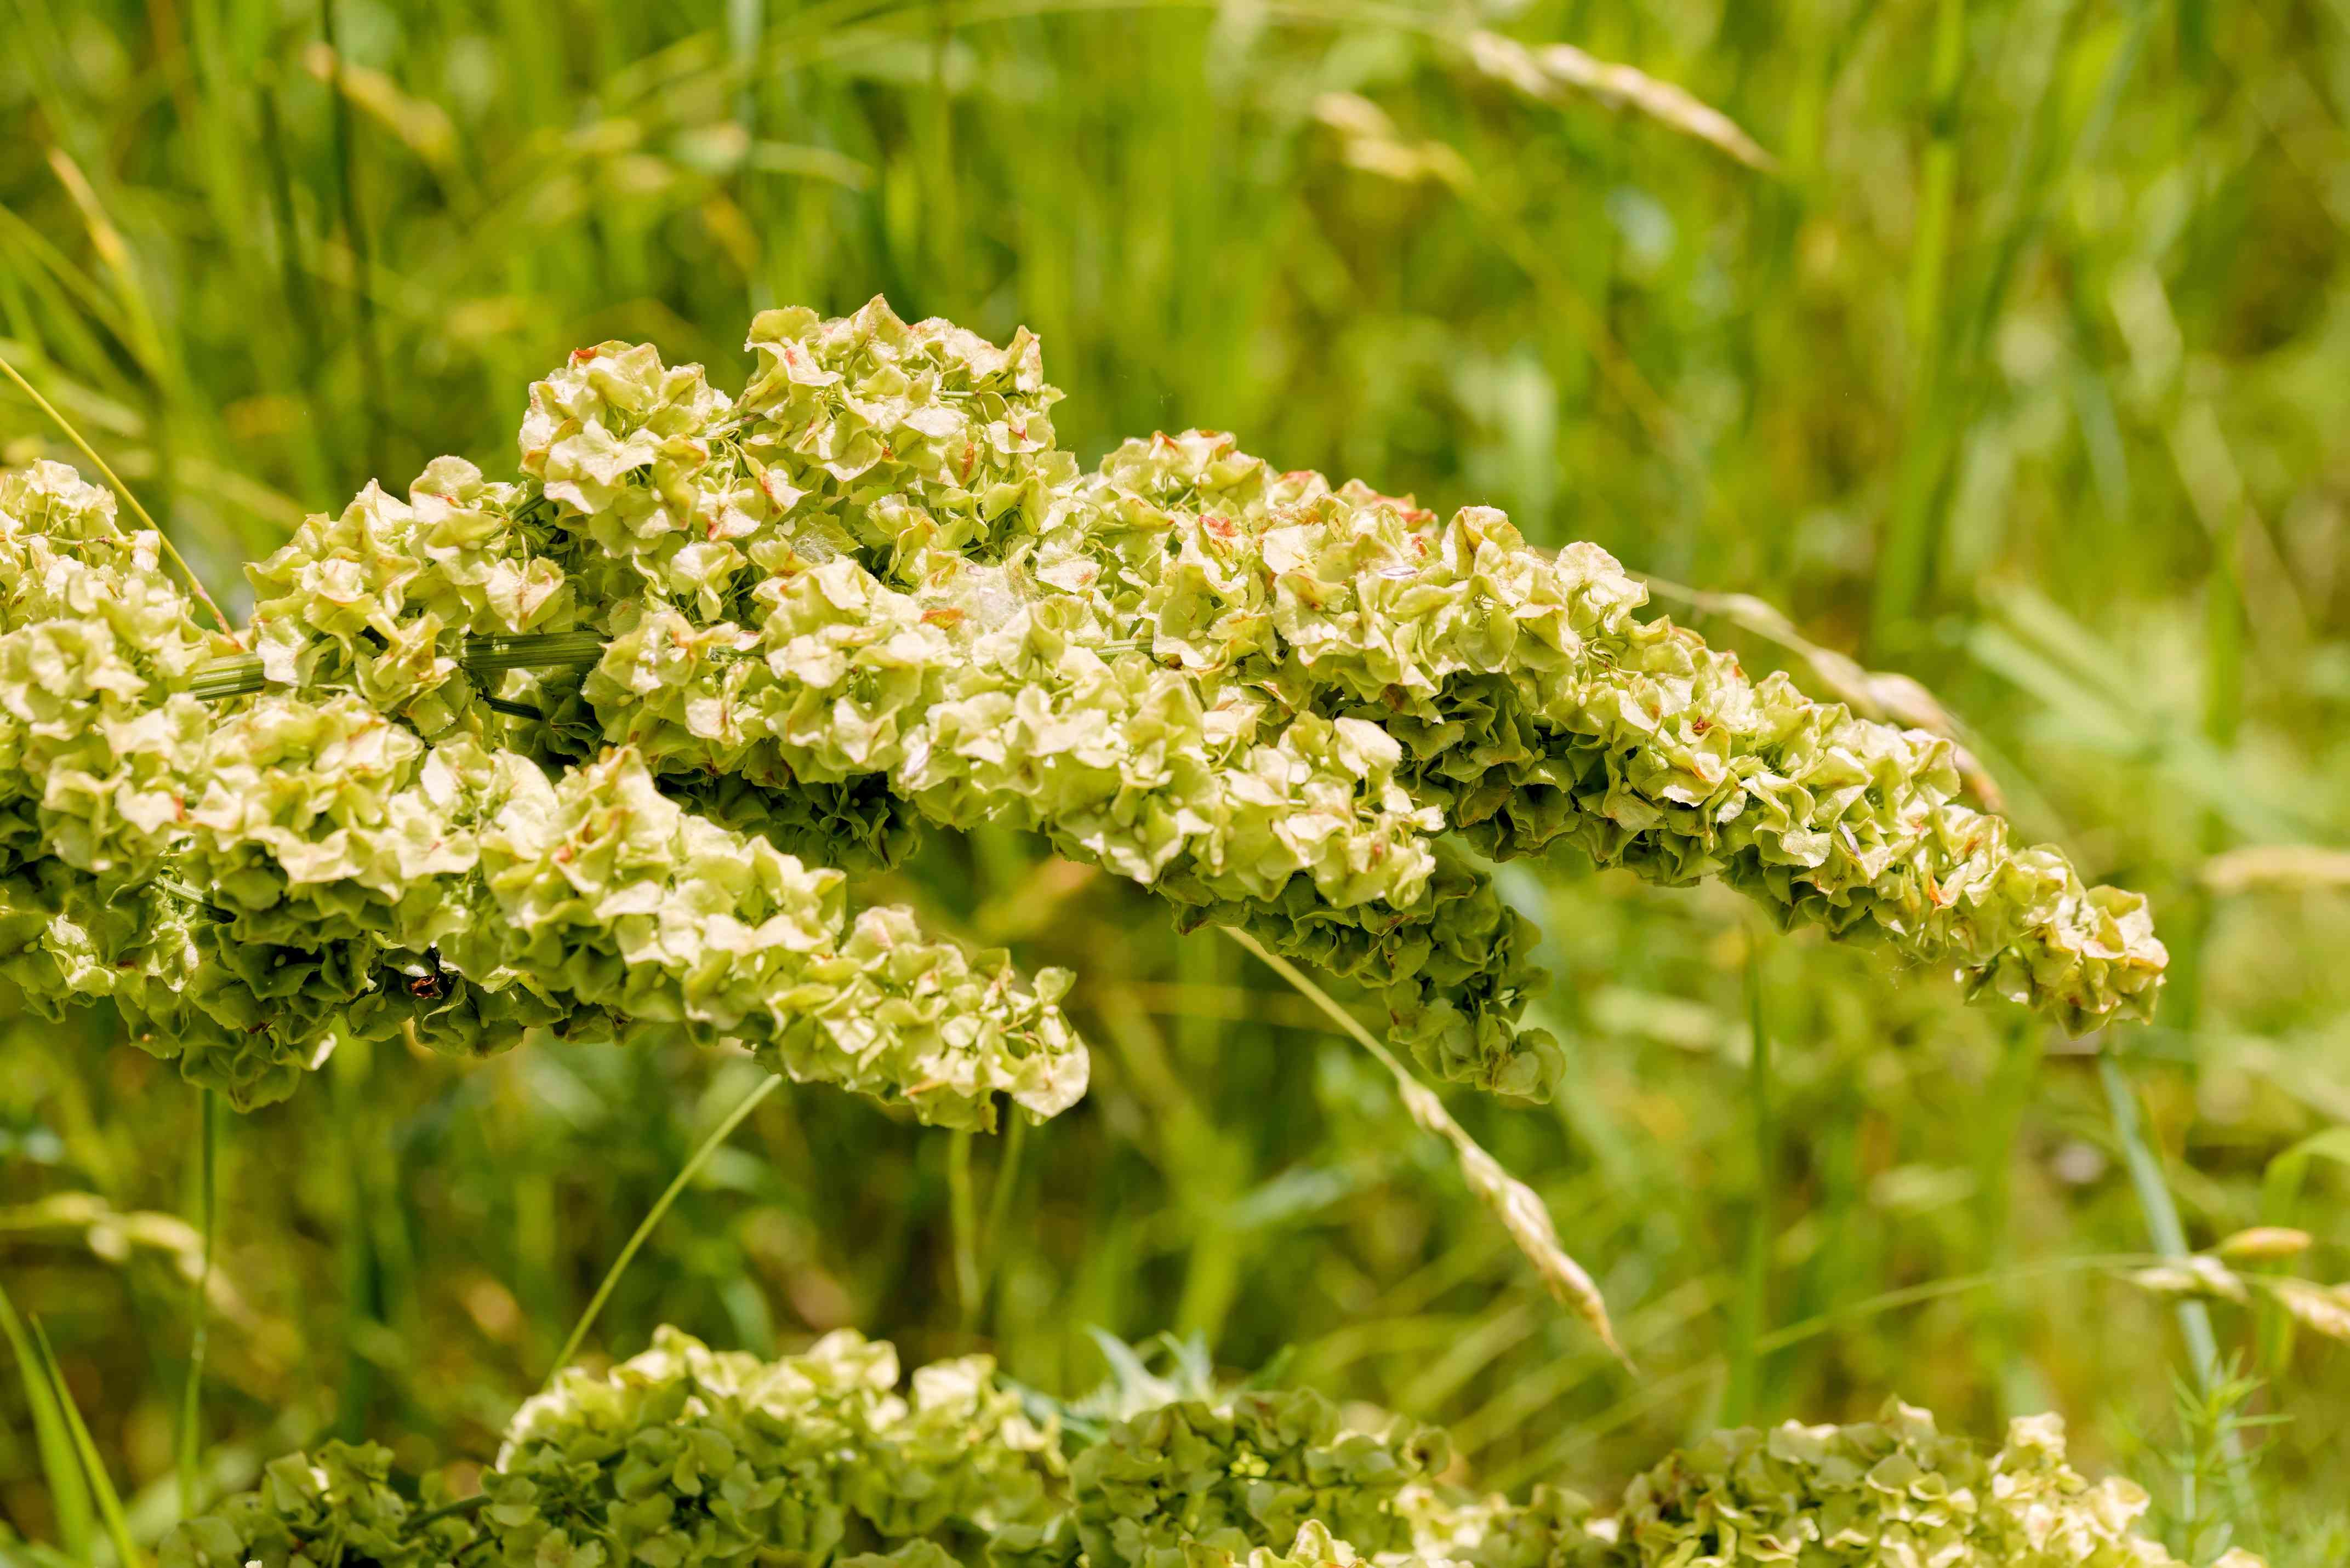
[(588, 750), (684, 1457)]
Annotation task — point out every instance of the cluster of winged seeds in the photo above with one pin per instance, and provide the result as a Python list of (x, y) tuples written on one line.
[(686, 1457), (587, 749), (1893, 1490)]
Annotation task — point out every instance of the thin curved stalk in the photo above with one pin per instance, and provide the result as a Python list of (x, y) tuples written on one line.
[(1519, 1210), (718, 1134), (203, 595)]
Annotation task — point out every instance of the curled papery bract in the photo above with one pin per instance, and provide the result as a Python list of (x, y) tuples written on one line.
[(685, 1455), (1313, 1547), (1255, 692), (335, 1506), (326, 821), (380, 598), (63, 557), (1556, 1528)]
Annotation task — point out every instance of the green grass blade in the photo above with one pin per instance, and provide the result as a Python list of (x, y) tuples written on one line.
[(1906, 568), (68, 1493), (376, 407), (718, 1135), (2162, 1223), (2281, 1185), (2169, 1237), (101, 1486)]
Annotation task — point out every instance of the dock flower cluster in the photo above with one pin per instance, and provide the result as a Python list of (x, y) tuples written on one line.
[(589, 749), (684, 1457)]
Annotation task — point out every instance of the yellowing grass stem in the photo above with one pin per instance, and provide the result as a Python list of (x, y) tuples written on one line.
[(1521, 1211), (195, 583)]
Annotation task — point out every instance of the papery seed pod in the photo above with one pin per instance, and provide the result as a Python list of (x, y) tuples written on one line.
[(97, 647), (683, 1455), (381, 597), (901, 439)]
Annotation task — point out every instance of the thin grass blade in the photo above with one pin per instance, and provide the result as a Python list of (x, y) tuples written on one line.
[(718, 1135), (68, 1493), (101, 1486)]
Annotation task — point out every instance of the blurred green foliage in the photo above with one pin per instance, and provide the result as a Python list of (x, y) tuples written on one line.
[(2024, 373)]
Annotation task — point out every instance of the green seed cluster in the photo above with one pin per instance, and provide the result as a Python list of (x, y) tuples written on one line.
[(1889, 1490), (684, 1457), (1263, 697), (576, 751), (96, 647), (1233, 1475), (1534, 709), (353, 850)]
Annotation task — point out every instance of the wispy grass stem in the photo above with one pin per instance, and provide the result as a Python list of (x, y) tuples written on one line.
[(710, 1146)]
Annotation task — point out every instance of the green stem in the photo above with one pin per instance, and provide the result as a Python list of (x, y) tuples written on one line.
[(463, 1505), (238, 676), (2169, 1237), (1739, 1396), (2162, 1222), (1906, 564), (999, 1203), (200, 1309), (531, 650), (718, 1134), (378, 410), (963, 1208), (362, 1276)]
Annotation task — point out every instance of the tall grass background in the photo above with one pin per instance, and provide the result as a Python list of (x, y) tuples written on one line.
[(2019, 362)]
